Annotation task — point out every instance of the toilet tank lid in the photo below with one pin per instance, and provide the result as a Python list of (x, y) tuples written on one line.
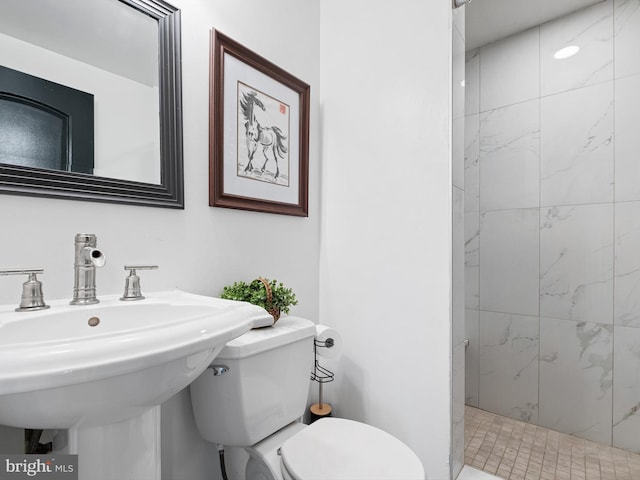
[(287, 330), (340, 448)]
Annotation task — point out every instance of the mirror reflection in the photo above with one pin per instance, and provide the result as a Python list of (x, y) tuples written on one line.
[(101, 48)]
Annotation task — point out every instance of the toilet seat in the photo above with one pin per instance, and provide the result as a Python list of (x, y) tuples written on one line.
[(340, 449)]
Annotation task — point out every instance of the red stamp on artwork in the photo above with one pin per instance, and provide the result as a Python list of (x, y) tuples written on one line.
[(283, 108)]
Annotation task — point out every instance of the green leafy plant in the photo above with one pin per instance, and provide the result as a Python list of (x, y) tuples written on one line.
[(255, 292)]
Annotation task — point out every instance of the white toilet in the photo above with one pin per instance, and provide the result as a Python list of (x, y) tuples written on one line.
[(256, 404)]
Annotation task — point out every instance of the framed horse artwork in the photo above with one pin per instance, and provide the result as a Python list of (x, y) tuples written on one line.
[(258, 132)]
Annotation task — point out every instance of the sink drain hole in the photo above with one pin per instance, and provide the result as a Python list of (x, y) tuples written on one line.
[(93, 321)]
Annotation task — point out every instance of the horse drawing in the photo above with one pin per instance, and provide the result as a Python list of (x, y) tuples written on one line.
[(271, 139)]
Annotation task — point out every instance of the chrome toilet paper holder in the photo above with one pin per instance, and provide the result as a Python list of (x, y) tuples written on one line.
[(321, 375)]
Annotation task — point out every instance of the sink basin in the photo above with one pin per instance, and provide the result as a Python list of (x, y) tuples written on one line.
[(59, 371), (100, 372)]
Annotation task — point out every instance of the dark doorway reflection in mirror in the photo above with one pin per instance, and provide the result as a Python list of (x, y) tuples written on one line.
[(44, 124)]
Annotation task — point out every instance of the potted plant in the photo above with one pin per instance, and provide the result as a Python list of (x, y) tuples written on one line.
[(271, 295)]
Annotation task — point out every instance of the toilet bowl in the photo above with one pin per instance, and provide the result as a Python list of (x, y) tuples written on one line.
[(332, 448), (253, 397)]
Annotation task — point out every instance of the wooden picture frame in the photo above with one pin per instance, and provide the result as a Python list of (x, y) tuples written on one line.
[(258, 132)]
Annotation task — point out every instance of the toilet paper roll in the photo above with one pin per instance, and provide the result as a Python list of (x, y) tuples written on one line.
[(330, 342)]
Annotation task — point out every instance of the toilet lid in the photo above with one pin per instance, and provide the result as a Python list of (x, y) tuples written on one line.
[(339, 449)]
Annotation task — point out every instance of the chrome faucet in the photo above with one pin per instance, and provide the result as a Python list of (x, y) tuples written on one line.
[(88, 257)]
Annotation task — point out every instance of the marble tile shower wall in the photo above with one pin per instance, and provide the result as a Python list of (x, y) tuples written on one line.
[(552, 225)]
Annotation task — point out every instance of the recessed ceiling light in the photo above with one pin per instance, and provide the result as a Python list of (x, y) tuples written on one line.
[(566, 52)]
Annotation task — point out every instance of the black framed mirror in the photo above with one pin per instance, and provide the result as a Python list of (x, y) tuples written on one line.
[(168, 191)]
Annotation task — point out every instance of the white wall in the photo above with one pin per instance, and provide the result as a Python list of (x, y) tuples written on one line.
[(386, 216), (201, 248)]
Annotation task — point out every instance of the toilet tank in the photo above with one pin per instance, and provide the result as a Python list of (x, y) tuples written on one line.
[(264, 389)]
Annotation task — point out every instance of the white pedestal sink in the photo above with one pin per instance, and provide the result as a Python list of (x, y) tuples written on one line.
[(99, 373)]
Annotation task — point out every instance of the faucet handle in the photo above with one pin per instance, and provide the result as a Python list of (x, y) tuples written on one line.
[(141, 267), (132, 282), (32, 297)]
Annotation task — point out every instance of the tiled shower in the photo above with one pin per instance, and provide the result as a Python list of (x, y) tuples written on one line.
[(552, 225)]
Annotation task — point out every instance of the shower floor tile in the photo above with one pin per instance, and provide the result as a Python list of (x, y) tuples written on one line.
[(515, 450)]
